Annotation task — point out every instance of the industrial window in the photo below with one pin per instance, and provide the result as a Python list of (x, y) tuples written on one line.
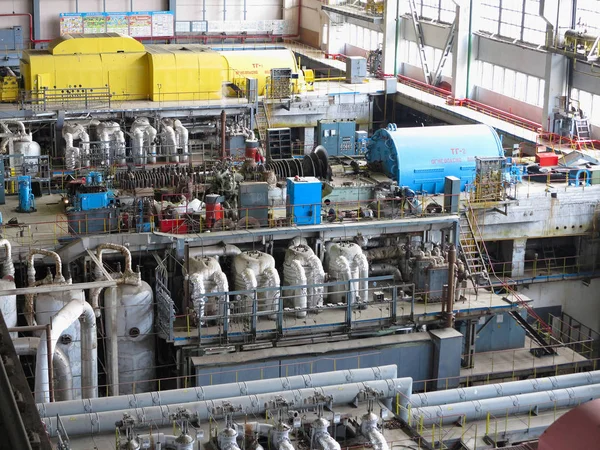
[(514, 19), (510, 83), (409, 53), (588, 14), (436, 10)]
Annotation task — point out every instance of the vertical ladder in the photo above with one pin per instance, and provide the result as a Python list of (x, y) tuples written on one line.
[(437, 78), (420, 41), (549, 258), (582, 129)]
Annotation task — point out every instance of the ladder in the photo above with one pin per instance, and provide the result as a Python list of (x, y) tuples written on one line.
[(471, 241), (262, 122), (549, 258), (420, 41), (469, 247), (437, 78), (582, 129)]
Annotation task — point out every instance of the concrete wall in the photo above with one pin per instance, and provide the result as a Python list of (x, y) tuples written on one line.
[(575, 298), (516, 57), (311, 23)]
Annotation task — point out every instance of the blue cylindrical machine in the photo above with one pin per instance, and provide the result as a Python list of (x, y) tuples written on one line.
[(420, 158), (26, 198)]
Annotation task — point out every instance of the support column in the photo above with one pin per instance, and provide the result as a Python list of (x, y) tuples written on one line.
[(36, 21), (518, 257), (462, 50), (391, 35), (308, 137), (559, 15)]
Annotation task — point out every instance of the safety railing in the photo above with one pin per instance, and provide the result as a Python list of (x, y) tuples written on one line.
[(576, 336), (268, 313), (67, 98)]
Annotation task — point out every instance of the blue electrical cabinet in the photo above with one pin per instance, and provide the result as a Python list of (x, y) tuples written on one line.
[(337, 136), (304, 201)]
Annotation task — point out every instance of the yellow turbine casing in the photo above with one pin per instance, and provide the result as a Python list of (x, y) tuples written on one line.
[(190, 72), (242, 64), (89, 61)]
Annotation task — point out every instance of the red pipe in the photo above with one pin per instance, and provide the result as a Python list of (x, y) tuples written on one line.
[(31, 39)]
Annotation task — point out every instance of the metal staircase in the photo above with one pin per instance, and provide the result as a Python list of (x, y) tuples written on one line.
[(470, 250), (475, 256), (420, 41), (549, 258)]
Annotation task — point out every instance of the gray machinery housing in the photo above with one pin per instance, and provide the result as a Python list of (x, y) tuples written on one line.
[(337, 136)]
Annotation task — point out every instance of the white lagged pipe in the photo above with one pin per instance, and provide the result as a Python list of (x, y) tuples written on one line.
[(197, 293), (58, 279), (250, 284), (150, 139), (89, 352), (221, 285), (363, 269), (271, 280), (370, 430), (8, 268), (182, 138), (137, 146), (300, 293), (62, 370), (342, 270), (317, 277), (170, 143), (62, 320)]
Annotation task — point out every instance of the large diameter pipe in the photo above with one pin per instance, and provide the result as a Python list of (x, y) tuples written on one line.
[(503, 406), (62, 320), (195, 394), (215, 250), (62, 369), (247, 405), (504, 389), (89, 353)]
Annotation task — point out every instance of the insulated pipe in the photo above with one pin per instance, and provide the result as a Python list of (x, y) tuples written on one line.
[(342, 267), (360, 260), (385, 269), (272, 280), (8, 267), (151, 142), (61, 366), (215, 250), (321, 436), (129, 276), (137, 145), (504, 406), (58, 278), (62, 320), (170, 143), (317, 276), (214, 392), (222, 285), (223, 128), (369, 429), (182, 134), (89, 353), (300, 294), (104, 422), (504, 389)]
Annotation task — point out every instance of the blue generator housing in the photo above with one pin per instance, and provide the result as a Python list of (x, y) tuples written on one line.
[(96, 200), (304, 201), (421, 158)]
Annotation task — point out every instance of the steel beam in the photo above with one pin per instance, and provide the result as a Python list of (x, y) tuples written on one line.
[(44, 289)]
